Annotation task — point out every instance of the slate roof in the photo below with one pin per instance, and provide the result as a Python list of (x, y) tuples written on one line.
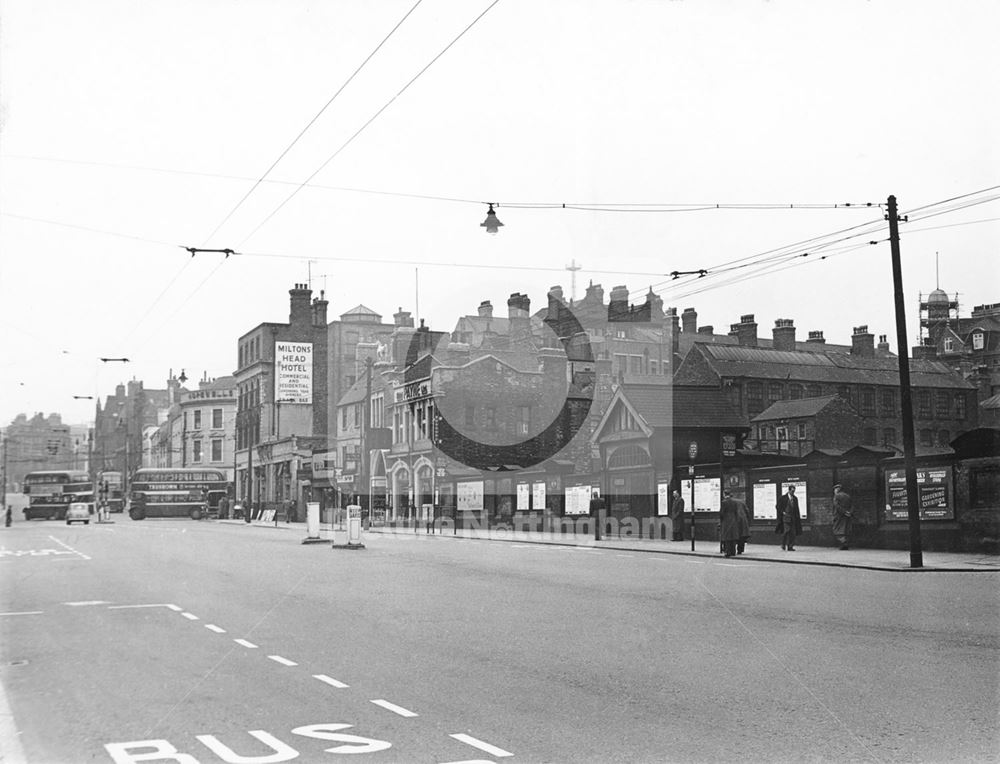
[(795, 408), (761, 363), (993, 402), (687, 407)]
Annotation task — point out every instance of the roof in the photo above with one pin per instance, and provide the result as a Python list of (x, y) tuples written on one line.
[(687, 407), (795, 408), (993, 402), (362, 310), (784, 365)]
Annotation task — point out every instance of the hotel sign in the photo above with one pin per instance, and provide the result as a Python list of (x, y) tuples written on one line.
[(293, 364)]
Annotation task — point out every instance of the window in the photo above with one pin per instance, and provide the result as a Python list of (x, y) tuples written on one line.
[(350, 380), (868, 436), (197, 419), (377, 405), (801, 430), (949, 344), (775, 392), (620, 364), (888, 402), (491, 418), (941, 404), (755, 398), (844, 392), (216, 419), (977, 341), (216, 449), (944, 437), (927, 437), (888, 437), (635, 364), (814, 391), (470, 416), (924, 410), (795, 392), (196, 450), (868, 403), (343, 418), (960, 405), (654, 367), (525, 424)]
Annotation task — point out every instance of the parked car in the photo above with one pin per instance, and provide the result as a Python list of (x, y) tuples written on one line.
[(78, 512)]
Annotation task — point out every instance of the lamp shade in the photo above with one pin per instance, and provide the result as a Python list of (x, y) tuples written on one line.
[(491, 224)]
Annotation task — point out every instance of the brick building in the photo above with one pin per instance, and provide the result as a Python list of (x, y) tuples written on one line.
[(797, 427)]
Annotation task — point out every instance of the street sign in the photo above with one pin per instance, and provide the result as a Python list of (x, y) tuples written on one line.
[(691, 469), (693, 451), (728, 444)]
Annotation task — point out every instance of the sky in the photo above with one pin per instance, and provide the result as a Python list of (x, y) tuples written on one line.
[(679, 135)]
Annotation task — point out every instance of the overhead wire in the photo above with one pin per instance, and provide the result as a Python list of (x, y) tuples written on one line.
[(369, 122), (313, 120)]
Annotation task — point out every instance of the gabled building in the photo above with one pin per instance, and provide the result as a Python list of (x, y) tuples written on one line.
[(797, 427)]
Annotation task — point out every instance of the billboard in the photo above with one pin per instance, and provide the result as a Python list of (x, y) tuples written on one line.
[(293, 363), (934, 494)]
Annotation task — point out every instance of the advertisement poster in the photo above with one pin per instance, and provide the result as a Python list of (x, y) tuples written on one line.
[(470, 496), (293, 362), (933, 494), (800, 493), (663, 499), (538, 495), (523, 497), (578, 500), (707, 494), (765, 497)]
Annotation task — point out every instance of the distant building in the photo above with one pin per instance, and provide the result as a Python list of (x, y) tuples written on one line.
[(39, 443)]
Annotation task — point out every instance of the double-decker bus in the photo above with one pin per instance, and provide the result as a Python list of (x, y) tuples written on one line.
[(50, 492), (175, 492), (109, 489)]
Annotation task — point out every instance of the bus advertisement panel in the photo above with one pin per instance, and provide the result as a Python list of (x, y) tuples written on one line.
[(934, 494), (166, 492), (50, 492)]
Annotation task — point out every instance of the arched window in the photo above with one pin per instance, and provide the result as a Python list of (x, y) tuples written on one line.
[(629, 456)]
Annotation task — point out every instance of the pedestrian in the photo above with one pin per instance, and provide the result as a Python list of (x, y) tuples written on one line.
[(789, 519), (8, 517), (677, 515), (843, 515), (743, 516), (224, 508), (729, 524)]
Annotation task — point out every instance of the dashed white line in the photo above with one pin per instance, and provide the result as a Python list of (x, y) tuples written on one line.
[(394, 708), (213, 627), (86, 602), (245, 643), (25, 612), (331, 681), (490, 749), (282, 661), (159, 604), (191, 616), (624, 555)]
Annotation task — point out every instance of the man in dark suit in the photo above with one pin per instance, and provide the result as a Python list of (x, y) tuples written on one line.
[(677, 515), (789, 518)]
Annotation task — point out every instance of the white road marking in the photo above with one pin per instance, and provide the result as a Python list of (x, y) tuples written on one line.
[(67, 546), (394, 708), (624, 555), (490, 749), (282, 661), (24, 612), (244, 643), (129, 607), (86, 602), (331, 681), (190, 616), (213, 627)]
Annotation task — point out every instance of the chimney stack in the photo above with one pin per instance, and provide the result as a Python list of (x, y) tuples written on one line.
[(883, 344), (486, 309), (817, 337), (618, 304), (319, 305), (674, 322), (689, 320), (300, 314), (862, 342), (519, 312), (745, 331), (402, 318), (784, 334)]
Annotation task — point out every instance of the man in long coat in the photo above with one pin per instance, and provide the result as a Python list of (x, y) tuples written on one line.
[(677, 515), (843, 515), (729, 525), (789, 519)]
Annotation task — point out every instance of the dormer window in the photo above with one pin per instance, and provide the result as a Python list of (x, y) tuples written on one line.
[(949, 344), (977, 341)]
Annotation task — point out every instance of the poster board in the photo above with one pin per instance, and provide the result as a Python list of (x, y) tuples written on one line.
[(578, 500), (538, 495), (707, 493), (470, 496), (765, 498), (293, 366), (663, 499), (523, 497), (934, 494)]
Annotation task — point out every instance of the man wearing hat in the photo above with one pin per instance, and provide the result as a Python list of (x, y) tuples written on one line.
[(843, 516)]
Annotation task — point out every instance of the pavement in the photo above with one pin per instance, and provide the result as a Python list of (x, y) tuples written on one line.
[(897, 560)]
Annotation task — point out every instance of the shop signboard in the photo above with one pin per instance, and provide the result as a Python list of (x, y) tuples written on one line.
[(934, 494)]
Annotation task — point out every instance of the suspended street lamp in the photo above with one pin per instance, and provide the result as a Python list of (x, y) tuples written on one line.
[(491, 224)]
